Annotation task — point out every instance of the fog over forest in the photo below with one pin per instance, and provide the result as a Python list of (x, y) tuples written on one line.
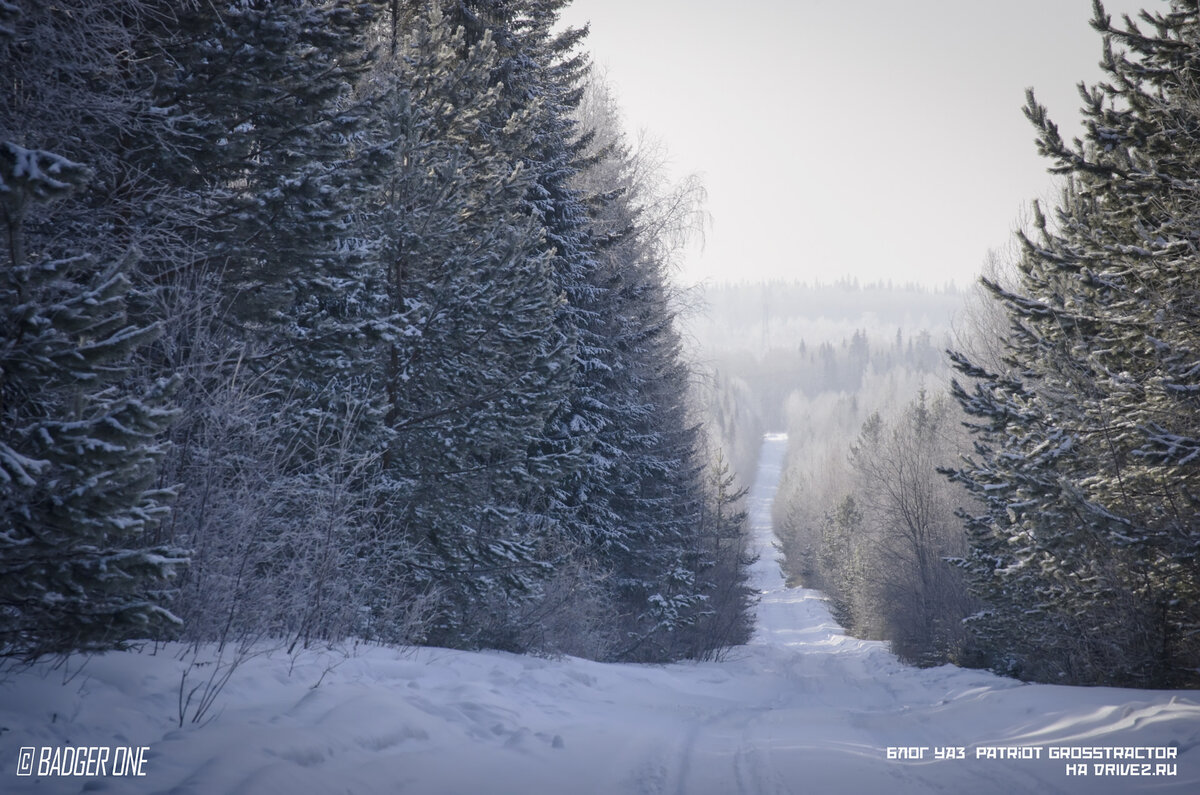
[(763, 317), (827, 364), (785, 338), (786, 355)]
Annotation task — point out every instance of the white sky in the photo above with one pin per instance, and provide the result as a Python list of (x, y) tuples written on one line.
[(872, 139)]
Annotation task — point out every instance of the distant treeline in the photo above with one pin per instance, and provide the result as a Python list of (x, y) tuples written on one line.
[(757, 318), (783, 338), (841, 368)]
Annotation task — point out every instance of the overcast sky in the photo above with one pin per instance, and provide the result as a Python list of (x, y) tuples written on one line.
[(873, 139)]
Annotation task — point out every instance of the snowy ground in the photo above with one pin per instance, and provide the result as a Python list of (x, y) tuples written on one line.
[(801, 709)]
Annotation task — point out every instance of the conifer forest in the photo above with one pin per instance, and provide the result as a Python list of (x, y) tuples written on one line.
[(350, 318), (329, 321)]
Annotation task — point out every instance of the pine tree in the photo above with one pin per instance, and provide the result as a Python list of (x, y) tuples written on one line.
[(1085, 460), (78, 449)]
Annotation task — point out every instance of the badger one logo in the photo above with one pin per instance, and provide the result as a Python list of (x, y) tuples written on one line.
[(88, 761)]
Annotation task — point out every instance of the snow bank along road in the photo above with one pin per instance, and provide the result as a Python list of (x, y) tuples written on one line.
[(802, 709)]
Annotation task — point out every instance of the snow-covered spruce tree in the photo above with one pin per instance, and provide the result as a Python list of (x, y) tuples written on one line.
[(616, 476), (540, 73), (267, 132), (474, 362), (671, 545), (79, 81), (1086, 441), (840, 567), (78, 451), (537, 73), (722, 553), (732, 422)]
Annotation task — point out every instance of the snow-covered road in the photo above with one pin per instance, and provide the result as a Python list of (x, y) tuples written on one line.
[(820, 710), (801, 709)]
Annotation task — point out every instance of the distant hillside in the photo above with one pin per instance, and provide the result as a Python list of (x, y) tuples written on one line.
[(782, 339), (757, 318)]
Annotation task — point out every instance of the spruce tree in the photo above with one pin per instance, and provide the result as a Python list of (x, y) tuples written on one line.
[(78, 447), (474, 362), (666, 532), (539, 73), (266, 127)]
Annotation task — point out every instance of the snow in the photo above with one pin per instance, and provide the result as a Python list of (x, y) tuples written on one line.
[(39, 171), (802, 708)]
